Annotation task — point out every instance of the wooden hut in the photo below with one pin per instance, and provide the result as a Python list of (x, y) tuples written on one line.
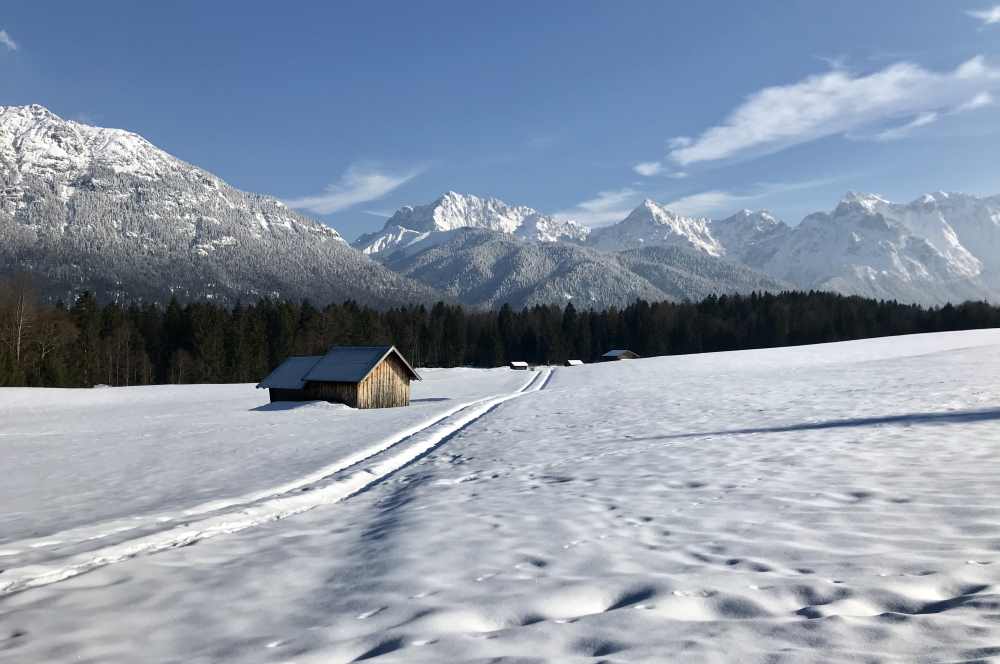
[(574, 363), (359, 376), (615, 355), (517, 365)]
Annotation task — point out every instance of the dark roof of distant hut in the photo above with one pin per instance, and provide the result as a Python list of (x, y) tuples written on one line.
[(352, 364), (290, 374), (341, 364), (619, 353)]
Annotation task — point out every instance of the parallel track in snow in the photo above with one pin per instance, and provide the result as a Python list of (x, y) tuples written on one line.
[(332, 484)]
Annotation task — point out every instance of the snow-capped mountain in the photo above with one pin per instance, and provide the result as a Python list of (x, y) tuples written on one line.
[(651, 224), (869, 246), (747, 234), (965, 229), (940, 248), (83, 207), (486, 252), (451, 211), (488, 268)]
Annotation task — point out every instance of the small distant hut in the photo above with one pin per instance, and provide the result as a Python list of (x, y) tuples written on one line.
[(574, 363), (620, 354), (519, 366), (359, 376)]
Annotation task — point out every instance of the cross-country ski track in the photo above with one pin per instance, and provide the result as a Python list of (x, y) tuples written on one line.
[(331, 484)]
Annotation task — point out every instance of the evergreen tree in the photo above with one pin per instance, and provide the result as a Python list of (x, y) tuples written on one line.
[(206, 342)]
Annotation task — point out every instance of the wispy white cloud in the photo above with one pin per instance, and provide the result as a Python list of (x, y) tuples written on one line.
[(652, 168), (648, 168), (989, 16), (7, 41), (605, 208), (904, 130), (981, 100), (359, 184), (705, 203), (719, 202), (833, 103)]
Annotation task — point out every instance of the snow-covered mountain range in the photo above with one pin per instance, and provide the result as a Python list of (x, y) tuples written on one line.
[(84, 207), (103, 209), (485, 252), (940, 248), (489, 268)]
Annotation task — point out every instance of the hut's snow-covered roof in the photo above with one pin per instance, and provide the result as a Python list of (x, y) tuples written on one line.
[(290, 374), (351, 364), (619, 353)]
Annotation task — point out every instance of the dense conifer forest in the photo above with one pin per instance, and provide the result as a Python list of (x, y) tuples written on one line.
[(85, 343)]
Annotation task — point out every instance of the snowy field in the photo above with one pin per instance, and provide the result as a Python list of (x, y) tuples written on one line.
[(834, 503), (85, 467)]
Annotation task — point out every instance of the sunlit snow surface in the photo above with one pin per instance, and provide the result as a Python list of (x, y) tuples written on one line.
[(87, 467), (825, 503)]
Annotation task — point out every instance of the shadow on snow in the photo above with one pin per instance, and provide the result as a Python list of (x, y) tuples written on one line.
[(934, 419)]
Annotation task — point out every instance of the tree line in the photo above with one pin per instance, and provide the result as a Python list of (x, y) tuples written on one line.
[(86, 343)]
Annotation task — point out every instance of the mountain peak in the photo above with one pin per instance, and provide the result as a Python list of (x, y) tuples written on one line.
[(867, 201), (650, 210), (160, 226), (30, 109), (941, 197), (759, 218), (651, 224), (34, 140), (454, 210), (452, 195)]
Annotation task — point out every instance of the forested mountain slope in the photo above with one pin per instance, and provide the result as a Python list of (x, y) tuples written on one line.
[(86, 208)]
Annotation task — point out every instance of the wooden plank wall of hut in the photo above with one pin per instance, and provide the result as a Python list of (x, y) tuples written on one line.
[(387, 386), (346, 393)]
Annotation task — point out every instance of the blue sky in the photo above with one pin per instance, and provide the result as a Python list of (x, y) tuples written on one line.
[(350, 110)]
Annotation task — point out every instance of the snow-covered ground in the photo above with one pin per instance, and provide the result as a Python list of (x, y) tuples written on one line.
[(832, 503), (83, 468)]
